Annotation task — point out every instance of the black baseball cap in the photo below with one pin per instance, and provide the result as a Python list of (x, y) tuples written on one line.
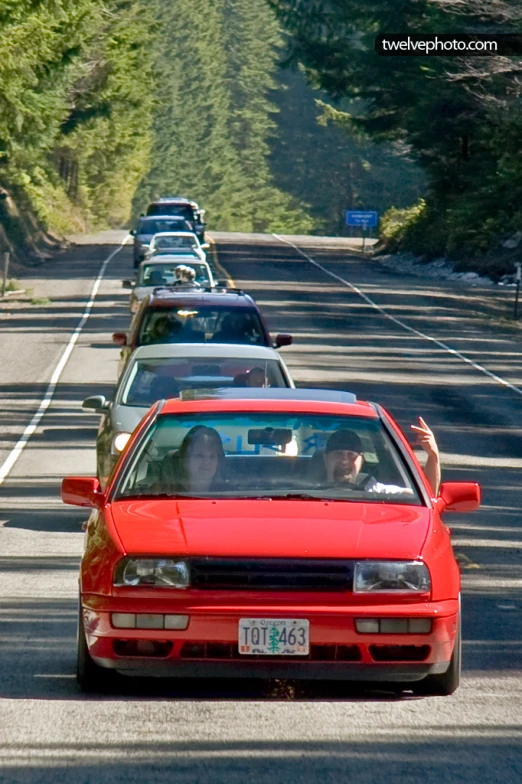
[(346, 440)]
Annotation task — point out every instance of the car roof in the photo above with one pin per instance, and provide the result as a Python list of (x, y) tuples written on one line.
[(175, 234), (161, 217), (206, 350), (169, 298), (174, 200), (179, 258), (163, 258), (272, 400), (180, 253)]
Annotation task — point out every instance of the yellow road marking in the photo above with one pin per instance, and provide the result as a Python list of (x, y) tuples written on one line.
[(220, 267)]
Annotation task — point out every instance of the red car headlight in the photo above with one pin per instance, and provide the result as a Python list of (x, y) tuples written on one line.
[(391, 577), (152, 573)]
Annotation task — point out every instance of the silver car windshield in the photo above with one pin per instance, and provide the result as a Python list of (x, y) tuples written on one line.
[(154, 379), (268, 455), (174, 243), (164, 274)]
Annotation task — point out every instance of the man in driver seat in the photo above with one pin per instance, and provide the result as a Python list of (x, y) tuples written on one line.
[(343, 461)]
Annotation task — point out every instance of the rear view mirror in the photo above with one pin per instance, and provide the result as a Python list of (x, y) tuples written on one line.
[(270, 436), (283, 340), (458, 497), (81, 491), (119, 338), (95, 403)]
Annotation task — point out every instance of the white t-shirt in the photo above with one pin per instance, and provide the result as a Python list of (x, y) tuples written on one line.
[(373, 486)]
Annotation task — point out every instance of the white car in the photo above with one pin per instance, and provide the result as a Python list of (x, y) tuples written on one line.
[(159, 271), (176, 242), (168, 370)]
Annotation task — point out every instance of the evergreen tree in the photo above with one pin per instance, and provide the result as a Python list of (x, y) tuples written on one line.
[(214, 65), (447, 110), (75, 105)]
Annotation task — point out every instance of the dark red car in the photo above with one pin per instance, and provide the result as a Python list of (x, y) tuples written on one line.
[(197, 316), (233, 540)]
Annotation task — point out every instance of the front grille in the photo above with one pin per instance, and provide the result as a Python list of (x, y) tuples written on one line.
[(225, 650), (271, 574)]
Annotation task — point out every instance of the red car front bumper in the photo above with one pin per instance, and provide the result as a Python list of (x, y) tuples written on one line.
[(208, 647)]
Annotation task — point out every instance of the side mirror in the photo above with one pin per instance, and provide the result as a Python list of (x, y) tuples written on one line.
[(222, 283), (128, 284), (283, 340), (81, 491), (119, 338), (95, 403), (458, 497), (132, 232), (205, 245)]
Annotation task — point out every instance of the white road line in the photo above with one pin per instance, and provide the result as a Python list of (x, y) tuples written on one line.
[(55, 378), (400, 323)]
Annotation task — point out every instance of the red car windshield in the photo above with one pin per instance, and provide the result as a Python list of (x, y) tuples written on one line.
[(205, 324), (269, 455)]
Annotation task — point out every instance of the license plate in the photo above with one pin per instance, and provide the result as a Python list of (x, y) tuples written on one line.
[(274, 637)]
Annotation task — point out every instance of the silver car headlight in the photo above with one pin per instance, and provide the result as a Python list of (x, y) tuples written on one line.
[(119, 442), (152, 573), (391, 577)]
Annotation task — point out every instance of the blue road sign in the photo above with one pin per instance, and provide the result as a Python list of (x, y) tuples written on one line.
[(361, 218)]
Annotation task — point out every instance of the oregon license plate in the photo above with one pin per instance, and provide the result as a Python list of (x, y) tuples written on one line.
[(274, 637)]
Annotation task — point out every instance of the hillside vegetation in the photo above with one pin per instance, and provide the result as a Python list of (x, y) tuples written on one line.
[(460, 117), (105, 104), (75, 107)]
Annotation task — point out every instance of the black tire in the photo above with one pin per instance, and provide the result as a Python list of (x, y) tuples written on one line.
[(90, 676), (447, 682)]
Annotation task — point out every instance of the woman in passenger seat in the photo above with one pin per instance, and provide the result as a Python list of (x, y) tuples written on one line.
[(198, 465)]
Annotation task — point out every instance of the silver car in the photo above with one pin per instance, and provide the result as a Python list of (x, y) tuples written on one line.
[(159, 271), (177, 242), (166, 370), (149, 225)]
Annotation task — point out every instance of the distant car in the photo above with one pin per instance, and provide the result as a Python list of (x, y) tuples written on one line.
[(179, 205), (176, 242), (195, 316), (159, 271), (270, 533), (164, 371), (147, 227)]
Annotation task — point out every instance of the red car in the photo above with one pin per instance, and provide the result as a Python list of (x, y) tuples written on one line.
[(282, 533)]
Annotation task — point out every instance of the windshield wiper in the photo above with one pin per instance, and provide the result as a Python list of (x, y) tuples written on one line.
[(156, 496), (303, 497)]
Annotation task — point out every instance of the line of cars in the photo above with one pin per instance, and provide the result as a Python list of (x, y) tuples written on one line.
[(184, 336), (241, 527)]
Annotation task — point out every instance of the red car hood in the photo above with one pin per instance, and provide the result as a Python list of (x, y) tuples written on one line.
[(277, 529)]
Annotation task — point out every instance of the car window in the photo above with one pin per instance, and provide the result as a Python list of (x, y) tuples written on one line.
[(271, 455), (163, 274), (156, 226), (175, 241), (185, 211), (195, 324), (153, 379)]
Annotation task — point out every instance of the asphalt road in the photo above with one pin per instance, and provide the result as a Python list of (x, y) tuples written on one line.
[(408, 345)]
